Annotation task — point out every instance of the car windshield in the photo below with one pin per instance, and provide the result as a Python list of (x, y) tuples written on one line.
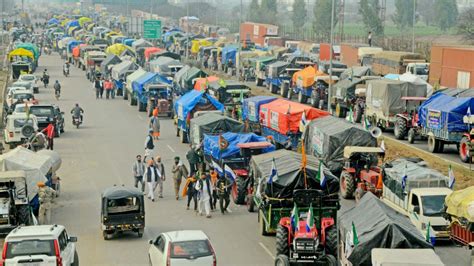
[(433, 205), (123, 205), (30, 247), (28, 78), (20, 109), (22, 96), (43, 111), (190, 249), (21, 122), (422, 71)]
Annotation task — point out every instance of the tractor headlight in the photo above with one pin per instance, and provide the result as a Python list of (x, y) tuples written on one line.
[(306, 245)]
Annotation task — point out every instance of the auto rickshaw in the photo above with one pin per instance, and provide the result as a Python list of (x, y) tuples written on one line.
[(123, 209)]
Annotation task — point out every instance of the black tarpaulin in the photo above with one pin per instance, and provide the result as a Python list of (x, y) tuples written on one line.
[(378, 226), (120, 192), (213, 123), (110, 60)]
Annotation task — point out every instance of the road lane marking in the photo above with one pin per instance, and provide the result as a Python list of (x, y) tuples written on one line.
[(140, 117), (171, 149), (266, 250)]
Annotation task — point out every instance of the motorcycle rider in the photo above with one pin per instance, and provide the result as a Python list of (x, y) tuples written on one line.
[(57, 89), (77, 111), (66, 69)]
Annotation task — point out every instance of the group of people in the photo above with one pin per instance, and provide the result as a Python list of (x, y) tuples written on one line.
[(104, 84)]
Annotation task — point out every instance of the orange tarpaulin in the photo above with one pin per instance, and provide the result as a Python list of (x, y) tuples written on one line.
[(305, 77), (201, 82), (151, 50), (76, 51), (284, 116)]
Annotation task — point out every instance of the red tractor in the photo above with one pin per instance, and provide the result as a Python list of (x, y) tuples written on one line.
[(301, 243), (361, 172), (407, 120)]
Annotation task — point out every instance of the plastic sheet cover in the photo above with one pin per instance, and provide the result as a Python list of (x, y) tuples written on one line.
[(211, 144), (161, 64), (345, 88), (356, 72), (251, 107), (461, 204), (326, 138), (212, 123), (186, 103), (378, 226), (110, 60), (149, 77), (119, 69), (290, 176)]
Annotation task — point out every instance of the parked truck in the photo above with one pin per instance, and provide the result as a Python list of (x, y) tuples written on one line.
[(260, 68), (358, 54), (419, 192), (458, 213), (393, 62)]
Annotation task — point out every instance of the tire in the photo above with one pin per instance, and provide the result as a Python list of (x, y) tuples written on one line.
[(282, 240), (258, 82), (289, 94), (358, 194), (250, 204), (301, 97), (357, 113), (140, 233), (241, 191), (315, 98), (400, 130), (274, 89), (411, 136), (24, 215), (284, 89), (433, 144), (183, 137), (261, 224), (27, 131), (106, 235), (125, 95), (331, 240), (464, 153), (329, 260), (347, 185), (141, 106), (282, 260), (76, 259)]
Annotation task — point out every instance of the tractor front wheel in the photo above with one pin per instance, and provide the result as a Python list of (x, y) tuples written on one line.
[(331, 240), (282, 240), (329, 260), (400, 129), (464, 152), (282, 260), (347, 185), (241, 186), (411, 136), (358, 113)]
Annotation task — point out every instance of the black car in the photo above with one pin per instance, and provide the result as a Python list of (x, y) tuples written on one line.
[(46, 113)]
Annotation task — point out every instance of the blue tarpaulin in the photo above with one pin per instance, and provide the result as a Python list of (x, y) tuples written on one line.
[(149, 77), (188, 101), (228, 53), (71, 44), (73, 23), (444, 112), (212, 148), (128, 42), (251, 107), (53, 21), (392, 76)]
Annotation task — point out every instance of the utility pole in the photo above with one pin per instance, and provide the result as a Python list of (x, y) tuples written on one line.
[(330, 56), (413, 28), (187, 30), (240, 42)]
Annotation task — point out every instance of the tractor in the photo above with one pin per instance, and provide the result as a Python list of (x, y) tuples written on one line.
[(404, 122), (304, 241), (361, 172)]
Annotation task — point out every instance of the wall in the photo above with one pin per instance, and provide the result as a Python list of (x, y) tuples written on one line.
[(447, 62), (349, 54)]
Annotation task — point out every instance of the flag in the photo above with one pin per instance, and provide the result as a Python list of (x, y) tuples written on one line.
[(404, 179), (303, 156), (382, 145), (310, 218), (223, 143), (217, 167), (229, 173), (468, 113), (452, 179), (274, 173), (295, 218), (355, 238), (321, 175), (351, 115), (222, 83), (303, 121), (352, 240), (366, 123), (430, 237)]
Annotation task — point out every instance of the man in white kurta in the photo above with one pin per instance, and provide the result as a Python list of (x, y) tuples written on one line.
[(203, 187)]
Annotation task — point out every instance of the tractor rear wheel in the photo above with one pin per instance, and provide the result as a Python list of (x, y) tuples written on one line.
[(241, 190), (331, 240), (400, 129), (282, 260), (301, 97), (329, 260), (282, 240), (347, 185), (359, 193), (464, 152)]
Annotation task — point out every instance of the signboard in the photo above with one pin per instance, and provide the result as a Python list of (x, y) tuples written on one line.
[(274, 120), (252, 111), (151, 29), (317, 141), (434, 119)]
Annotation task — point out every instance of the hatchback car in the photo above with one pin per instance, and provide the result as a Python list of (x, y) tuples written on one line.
[(39, 245), (186, 247), (34, 80)]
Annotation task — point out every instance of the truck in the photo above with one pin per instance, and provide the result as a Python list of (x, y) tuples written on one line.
[(461, 219), (419, 193), (393, 62), (150, 89), (260, 67), (256, 32), (93, 60), (450, 66), (251, 112), (231, 94), (279, 76), (137, 74), (357, 54), (82, 54)]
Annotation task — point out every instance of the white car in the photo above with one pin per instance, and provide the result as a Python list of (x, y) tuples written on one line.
[(11, 90), (40, 245), (34, 80), (186, 247), (19, 128), (23, 96)]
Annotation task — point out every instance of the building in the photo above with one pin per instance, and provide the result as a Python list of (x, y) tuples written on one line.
[(452, 66)]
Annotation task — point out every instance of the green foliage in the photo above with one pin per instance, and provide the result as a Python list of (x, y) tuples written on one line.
[(466, 24), (254, 11), (299, 14), (368, 9), (446, 13), (427, 12), (403, 16), (322, 16), (268, 11)]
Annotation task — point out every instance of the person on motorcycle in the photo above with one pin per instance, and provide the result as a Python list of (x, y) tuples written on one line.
[(66, 69), (77, 111), (57, 88)]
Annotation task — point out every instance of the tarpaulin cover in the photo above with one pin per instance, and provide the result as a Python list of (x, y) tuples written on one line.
[(84, 20), (305, 77), (197, 44), (30, 47), (356, 71), (54, 156), (35, 165), (128, 42), (141, 43), (185, 76), (162, 65), (111, 59), (284, 116), (71, 44), (409, 77), (149, 77), (274, 69), (345, 89), (151, 50), (461, 204), (290, 176), (212, 148), (64, 41), (326, 138), (20, 52), (72, 23), (419, 175), (120, 192), (213, 124), (406, 257), (445, 112), (117, 49), (53, 21), (228, 53), (383, 96), (251, 107), (378, 226), (201, 83), (164, 53), (134, 76), (186, 103)]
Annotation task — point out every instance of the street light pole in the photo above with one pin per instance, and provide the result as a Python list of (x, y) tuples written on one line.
[(413, 28), (151, 9), (186, 47), (240, 42), (331, 43)]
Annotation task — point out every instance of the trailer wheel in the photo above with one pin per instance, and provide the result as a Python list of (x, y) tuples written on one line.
[(400, 129), (464, 152), (329, 260), (411, 136), (284, 89), (274, 89), (261, 224), (347, 185), (301, 97), (433, 144), (282, 260), (24, 215), (184, 137), (331, 240), (357, 113), (315, 98), (281, 240), (125, 95), (241, 187), (141, 106)]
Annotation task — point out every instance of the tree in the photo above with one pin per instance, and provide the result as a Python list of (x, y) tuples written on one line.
[(369, 12), (466, 24), (403, 16), (446, 13), (299, 14), (322, 16), (427, 11), (268, 11), (254, 11)]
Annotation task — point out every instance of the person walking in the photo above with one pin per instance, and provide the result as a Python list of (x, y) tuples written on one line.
[(46, 196), (193, 159), (149, 146), (108, 88), (138, 169), (223, 189), (155, 125), (179, 171), (190, 192), (101, 87), (152, 175), (203, 188), (214, 178), (97, 87), (369, 38), (161, 169), (49, 130)]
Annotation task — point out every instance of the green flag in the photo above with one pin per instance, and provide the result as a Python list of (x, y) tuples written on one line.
[(222, 83), (355, 239), (295, 217), (366, 123), (351, 115)]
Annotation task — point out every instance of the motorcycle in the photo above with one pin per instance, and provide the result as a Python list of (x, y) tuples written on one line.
[(76, 121), (57, 94), (66, 72)]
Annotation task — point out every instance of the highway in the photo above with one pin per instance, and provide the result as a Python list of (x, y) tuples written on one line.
[(100, 154)]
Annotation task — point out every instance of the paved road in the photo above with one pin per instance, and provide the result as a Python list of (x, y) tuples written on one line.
[(100, 154)]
